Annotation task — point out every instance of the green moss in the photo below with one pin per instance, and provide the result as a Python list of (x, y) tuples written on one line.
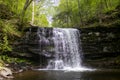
[(8, 32), (115, 14), (5, 12), (117, 59), (115, 23), (8, 59), (4, 47), (1, 63)]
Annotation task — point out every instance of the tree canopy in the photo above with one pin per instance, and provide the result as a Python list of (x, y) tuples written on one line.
[(76, 13)]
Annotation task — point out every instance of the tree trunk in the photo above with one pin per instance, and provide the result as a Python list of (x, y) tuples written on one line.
[(33, 12), (106, 4), (27, 3), (100, 12), (80, 15), (67, 3)]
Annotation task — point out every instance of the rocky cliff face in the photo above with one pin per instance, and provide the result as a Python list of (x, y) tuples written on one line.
[(101, 46), (35, 45)]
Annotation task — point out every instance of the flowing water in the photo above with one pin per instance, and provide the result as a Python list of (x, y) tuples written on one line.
[(61, 75), (68, 51), (66, 64)]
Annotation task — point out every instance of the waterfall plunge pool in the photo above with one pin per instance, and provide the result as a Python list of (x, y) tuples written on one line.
[(62, 75)]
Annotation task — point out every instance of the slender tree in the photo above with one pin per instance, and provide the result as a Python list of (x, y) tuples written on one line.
[(80, 14), (33, 12), (26, 5)]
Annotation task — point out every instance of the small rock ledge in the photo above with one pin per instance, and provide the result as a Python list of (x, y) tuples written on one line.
[(5, 73)]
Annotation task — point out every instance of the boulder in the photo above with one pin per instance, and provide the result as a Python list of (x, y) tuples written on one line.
[(5, 72)]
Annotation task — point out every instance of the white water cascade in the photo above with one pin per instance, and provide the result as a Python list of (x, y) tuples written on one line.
[(68, 52)]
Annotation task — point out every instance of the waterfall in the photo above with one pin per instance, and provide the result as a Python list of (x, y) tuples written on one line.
[(67, 49), (55, 48)]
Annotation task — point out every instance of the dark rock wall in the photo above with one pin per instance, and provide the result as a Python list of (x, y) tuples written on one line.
[(36, 45), (101, 46)]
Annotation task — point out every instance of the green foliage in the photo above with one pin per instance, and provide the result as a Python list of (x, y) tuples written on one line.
[(22, 10), (5, 12), (4, 47), (41, 21), (16, 8), (41, 13), (1, 63), (7, 32), (7, 59), (77, 13)]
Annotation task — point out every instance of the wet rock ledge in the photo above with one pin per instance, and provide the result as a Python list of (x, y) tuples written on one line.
[(101, 46)]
